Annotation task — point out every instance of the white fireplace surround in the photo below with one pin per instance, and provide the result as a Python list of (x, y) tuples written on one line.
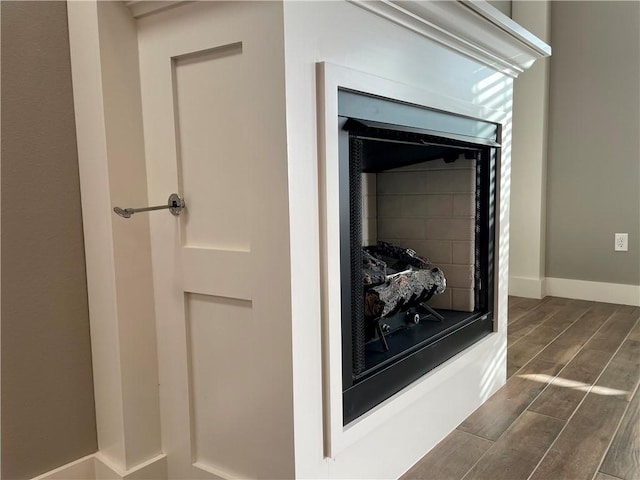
[(428, 393), (456, 56)]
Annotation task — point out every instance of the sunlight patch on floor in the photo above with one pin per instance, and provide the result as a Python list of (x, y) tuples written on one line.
[(583, 387)]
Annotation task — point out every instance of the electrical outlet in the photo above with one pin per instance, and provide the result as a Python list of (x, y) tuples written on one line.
[(622, 242)]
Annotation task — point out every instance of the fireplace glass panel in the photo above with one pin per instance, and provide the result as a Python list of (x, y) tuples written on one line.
[(417, 208)]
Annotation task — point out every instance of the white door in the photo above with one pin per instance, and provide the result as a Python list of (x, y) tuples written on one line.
[(212, 83)]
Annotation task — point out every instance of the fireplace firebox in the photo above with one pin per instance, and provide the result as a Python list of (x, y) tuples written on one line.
[(417, 209)]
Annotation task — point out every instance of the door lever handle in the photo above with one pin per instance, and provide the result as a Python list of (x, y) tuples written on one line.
[(175, 205)]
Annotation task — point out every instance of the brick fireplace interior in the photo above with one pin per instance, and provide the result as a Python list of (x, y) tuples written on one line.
[(430, 208)]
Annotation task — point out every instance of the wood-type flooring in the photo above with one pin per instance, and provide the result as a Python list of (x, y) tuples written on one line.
[(570, 409)]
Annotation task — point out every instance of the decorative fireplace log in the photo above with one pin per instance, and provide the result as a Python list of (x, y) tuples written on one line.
[(396, 279)]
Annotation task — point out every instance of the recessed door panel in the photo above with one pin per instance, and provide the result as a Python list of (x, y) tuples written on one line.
[(221, 360), (211, 133)]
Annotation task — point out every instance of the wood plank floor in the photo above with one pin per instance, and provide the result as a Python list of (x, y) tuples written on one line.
[(570, 409)]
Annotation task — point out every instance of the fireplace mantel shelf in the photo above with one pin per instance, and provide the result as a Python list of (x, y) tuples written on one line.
[(475, 29)]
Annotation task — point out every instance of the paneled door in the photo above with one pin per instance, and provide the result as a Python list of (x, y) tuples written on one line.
[(212, 85)]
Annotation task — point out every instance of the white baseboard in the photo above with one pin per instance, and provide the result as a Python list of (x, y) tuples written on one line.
[(596, 291), (97, 467), (527, 287)]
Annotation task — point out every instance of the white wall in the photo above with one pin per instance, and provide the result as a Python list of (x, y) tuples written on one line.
[(529, 162), (104, 62)]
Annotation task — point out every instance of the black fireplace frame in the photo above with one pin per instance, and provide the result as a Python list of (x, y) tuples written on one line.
[(367, 117)]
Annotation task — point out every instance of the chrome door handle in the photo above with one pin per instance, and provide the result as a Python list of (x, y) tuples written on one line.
[(175, 204)]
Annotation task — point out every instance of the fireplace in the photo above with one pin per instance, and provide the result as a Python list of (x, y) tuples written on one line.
[(309, 60), (417, 208)]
